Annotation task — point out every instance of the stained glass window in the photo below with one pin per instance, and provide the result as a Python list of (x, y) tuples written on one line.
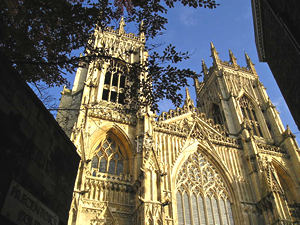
[(210, 219), (195, 210), (223, 212), (202, 210), (202, 206), (187, 210), (215, 211), (108, 159), (179, 209)]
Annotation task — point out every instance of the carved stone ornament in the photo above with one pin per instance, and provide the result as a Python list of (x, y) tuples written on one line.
[(197, 174), (148, 141), (103, 218)]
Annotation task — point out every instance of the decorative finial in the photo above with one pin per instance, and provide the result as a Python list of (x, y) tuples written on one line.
[(121, 26), (288, 132), (188, 102), (188, 96), (204, 68), (232, 59), (214, 54), (250, 64)]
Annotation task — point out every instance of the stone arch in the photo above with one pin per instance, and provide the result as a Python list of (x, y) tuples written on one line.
[(119, 136), (218, 165), (253, 114), (251, 98), (287, 182)]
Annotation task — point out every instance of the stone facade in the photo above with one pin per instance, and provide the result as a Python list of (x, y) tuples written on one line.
[(38, 161), (227, 160)]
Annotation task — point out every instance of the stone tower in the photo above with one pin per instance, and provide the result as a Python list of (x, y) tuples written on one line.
[(228, 160)]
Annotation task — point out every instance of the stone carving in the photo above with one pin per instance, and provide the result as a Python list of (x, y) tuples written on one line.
[(198, 175)]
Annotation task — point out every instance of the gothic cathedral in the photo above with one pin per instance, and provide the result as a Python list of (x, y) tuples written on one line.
[(227, 160)]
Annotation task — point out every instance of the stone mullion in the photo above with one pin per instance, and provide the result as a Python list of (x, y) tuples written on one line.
[(97, 191), (118, 87), (101, 197), (255, 122), (183, 208)]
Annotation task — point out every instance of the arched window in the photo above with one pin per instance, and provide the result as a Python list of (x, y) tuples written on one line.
[(108, 158), (202, 197), (216, 114), (249, 114), (114, 83)]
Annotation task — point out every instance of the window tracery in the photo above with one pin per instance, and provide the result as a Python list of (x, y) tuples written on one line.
[(114, 83), (108, 158), (202, 198), (249, 114)]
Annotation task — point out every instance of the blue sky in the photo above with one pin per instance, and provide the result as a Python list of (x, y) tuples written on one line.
[(229, 26)]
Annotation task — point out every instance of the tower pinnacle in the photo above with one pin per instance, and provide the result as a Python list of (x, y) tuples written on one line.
[(232, 59), (204, 68), (188, 101), (214, 54), (250, 64)]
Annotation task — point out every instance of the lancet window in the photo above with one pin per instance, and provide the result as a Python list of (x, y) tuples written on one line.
[(216, 114), (202, 198), (249, 114), (114, 83), (108, 158)]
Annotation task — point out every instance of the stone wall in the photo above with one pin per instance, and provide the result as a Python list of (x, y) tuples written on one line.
[(35, 154)]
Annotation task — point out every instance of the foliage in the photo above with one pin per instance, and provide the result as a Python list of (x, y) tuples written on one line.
[(39, 37)]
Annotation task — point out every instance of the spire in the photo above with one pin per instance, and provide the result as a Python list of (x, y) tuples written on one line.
[(232, 59), (214, 54), (121, 26), (141, 30), (188, 102), (250, 64)]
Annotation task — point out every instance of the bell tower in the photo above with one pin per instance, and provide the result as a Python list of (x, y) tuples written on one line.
[(234, 97), (109, 137)]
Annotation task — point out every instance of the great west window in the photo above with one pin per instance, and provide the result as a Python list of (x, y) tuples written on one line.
[(114, 83), (201, 197)]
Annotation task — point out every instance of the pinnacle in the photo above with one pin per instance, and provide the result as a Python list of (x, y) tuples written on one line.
[(232, 58), (204, 67), (187, 93), (189, 103)]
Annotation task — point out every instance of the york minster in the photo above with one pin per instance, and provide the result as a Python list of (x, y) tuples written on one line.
[(223, 158)]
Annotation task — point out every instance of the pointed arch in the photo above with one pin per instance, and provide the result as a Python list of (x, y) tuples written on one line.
[(252, 115), (287, 182), (212, 195), (217, 114), (110, 139), (191, 148)]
